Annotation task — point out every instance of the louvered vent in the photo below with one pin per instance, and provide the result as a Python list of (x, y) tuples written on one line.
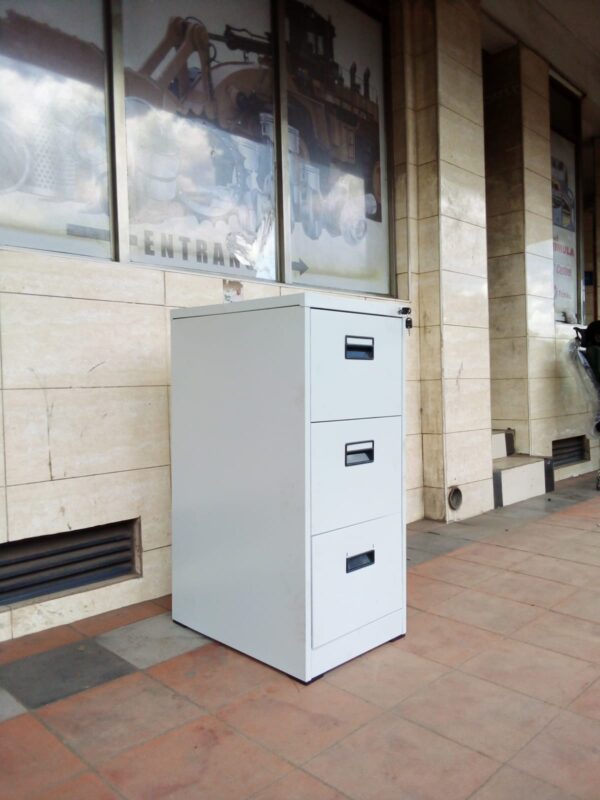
[(64, 561), (570, 451)]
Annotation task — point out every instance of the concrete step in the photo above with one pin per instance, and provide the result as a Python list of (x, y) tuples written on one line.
[(503, 443), (519, 477)]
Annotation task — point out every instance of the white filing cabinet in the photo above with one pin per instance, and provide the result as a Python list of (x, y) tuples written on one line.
[(288, 477)]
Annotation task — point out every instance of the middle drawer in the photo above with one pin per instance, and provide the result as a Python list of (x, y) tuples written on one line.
[(356, 471)]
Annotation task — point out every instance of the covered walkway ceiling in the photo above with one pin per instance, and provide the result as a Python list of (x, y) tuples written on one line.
[(567, 35)]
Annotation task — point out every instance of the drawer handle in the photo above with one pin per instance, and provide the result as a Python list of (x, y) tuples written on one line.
[(360, 348), (360, 561), (360, 453)]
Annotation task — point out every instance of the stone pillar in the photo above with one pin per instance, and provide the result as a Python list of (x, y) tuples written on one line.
[(452, 276), (405, 211), (520, 264)]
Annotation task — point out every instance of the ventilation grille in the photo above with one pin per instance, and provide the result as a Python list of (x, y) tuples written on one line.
[(570, 451), (64, 561)]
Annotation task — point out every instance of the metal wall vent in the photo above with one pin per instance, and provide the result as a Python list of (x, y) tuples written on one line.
[(64, 561), (570, 451)]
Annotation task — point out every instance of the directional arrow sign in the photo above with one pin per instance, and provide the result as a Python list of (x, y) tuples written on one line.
[(299, 266)]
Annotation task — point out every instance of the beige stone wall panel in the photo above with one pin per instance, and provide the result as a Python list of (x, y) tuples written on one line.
[(509, 358), (48, 274), (67, 433), (39, 509), (463, 247), (56, 342), (468, 458)]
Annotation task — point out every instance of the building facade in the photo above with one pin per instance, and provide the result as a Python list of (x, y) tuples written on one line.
[(441, 152)]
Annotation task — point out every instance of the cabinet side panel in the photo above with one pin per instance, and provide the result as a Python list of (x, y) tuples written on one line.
[(238, 455)]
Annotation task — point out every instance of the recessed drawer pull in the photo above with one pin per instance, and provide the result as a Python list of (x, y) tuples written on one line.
[(360, 453), (360, 348), (360, 561)]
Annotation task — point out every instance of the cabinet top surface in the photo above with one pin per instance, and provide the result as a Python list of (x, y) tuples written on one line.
[(332, 302)]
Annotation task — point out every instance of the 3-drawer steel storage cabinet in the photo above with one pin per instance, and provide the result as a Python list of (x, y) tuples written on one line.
[(288, 489)]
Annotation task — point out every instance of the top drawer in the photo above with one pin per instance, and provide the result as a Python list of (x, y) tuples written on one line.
[(356, 365)]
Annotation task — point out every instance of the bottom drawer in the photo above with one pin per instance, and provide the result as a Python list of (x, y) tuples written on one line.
[(358, 576)]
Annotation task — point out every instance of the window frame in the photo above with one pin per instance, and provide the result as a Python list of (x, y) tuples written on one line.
[(118, 185)]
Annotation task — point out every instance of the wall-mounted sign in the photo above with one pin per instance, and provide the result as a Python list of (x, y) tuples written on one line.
[(564, 228)]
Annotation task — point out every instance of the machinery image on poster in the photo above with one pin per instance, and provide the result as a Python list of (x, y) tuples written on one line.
[(564, 228), (53, 136), (199, 118), (337, 156), (338, 191), (201, 129)]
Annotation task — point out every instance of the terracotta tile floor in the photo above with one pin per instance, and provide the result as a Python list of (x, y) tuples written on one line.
[(494, 694)]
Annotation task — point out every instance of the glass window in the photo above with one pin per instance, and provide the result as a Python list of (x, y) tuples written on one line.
[(53, 139), (199, 109), (337, 158), (564, 113)]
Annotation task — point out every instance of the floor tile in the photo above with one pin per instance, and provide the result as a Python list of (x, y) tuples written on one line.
[(527, 589), (46, 677), (588, 703), (569, 635), (151, 641), (298, 786), (213, 675), (487, 611), (444, 640), (573, 551), (425, 593), (478, 714), (490, 555), (534, 671), (579, 523), (35, 643), (584, 604), (32, 759), (512, 784), (9, 706), (297, 721), (385, 676), (518, 513), (553, 532), (203, 760), (423, 525), (437, 543), (85, 787), (415, 557), (556, 569), (588, 537), (393, 759), (100, 723), (587, 509), (526, 542), (94, 626), (566, 754), (454, 570)]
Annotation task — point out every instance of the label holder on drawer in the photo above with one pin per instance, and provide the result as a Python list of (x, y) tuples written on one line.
[(358, 453), (360, 348)]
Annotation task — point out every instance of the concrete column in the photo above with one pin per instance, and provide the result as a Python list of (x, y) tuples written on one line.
[(452, 275), (533, 388)]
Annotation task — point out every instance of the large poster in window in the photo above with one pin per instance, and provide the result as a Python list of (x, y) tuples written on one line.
[(53, 137), (564, 228), (199, 111), (337, 158)]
